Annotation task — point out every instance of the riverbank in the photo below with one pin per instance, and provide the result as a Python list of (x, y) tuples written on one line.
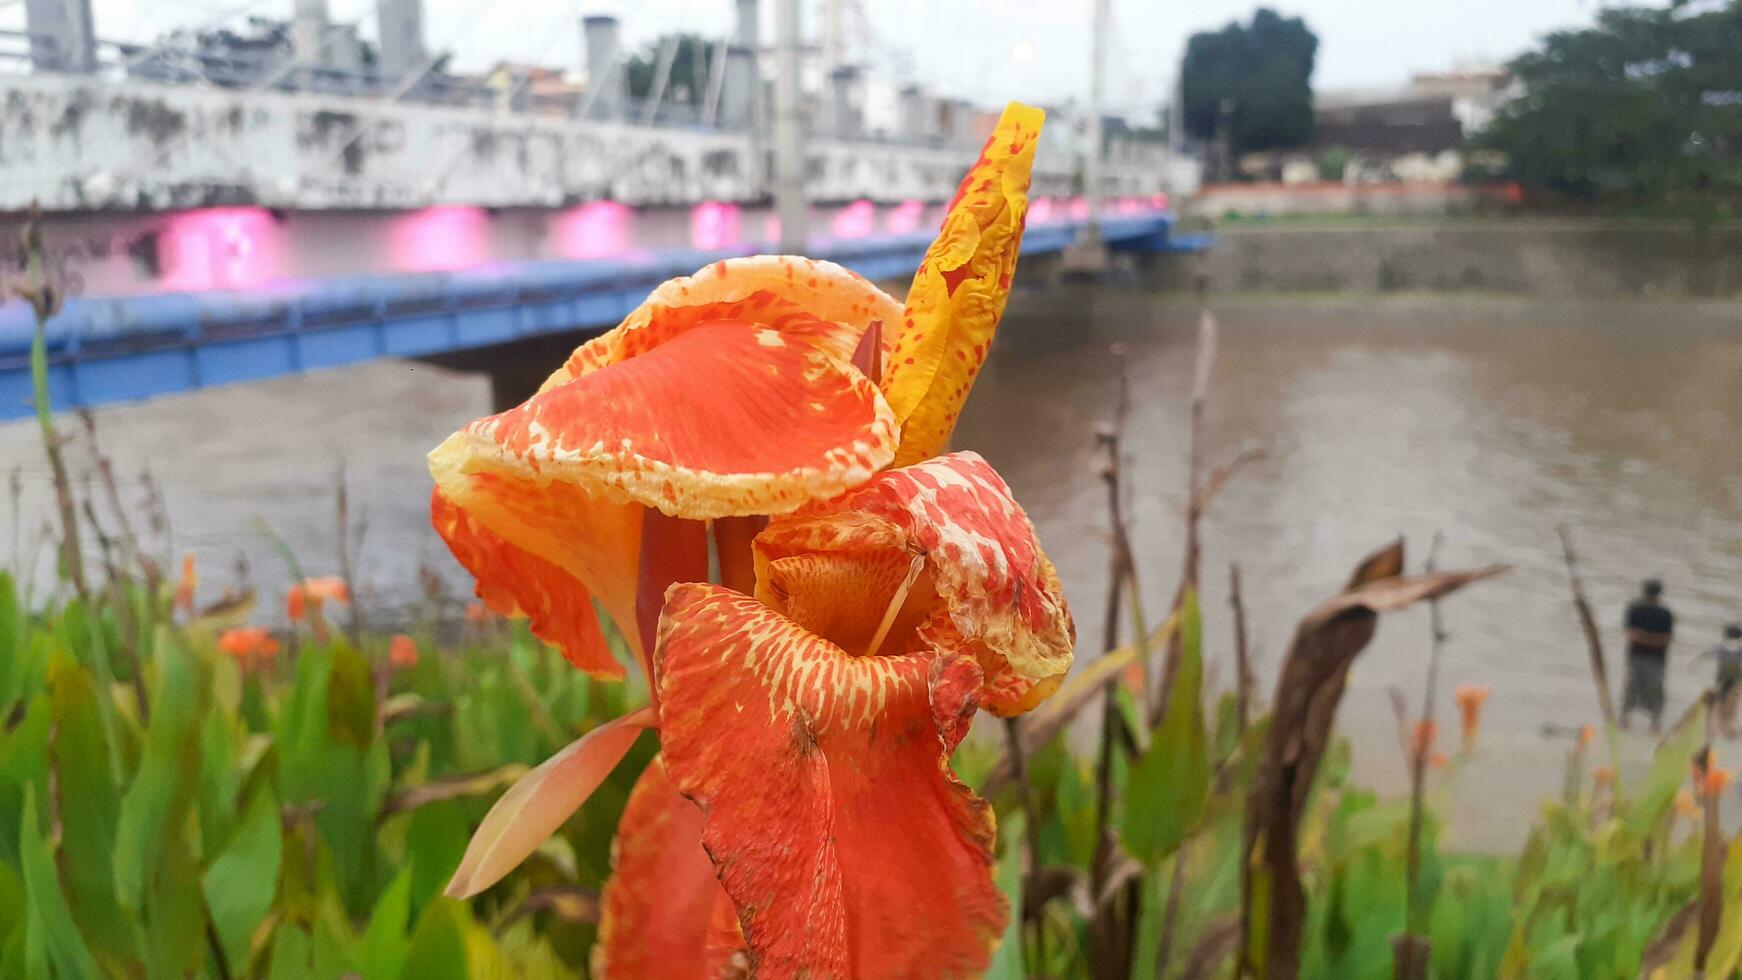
[(1539, 257)]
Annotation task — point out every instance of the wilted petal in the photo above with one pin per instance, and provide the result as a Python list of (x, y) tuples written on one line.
[(513, 581), (958, 294), (662, 910), (847, 844), (981, 556), (541, 801)]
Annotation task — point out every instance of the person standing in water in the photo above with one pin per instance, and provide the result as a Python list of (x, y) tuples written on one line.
[(1727, 687), (1650, 626)]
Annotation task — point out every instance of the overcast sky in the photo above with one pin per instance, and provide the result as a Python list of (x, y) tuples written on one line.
[(987, 50)]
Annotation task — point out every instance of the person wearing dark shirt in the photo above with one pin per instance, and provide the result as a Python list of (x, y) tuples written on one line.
[(1650, 625)]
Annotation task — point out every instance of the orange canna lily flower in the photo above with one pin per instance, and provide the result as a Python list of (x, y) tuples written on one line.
[(1603, 776), (1716, 780), (1586, 734), (402, 652), (860, 617), (251, 645), (305, 598), (188, 584), (1422, 738), (1470, 698)]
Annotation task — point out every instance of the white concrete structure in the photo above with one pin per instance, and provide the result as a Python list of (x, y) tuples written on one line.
[(80, 143)]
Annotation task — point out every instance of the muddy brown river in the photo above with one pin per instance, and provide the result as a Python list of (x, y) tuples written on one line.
[(1488, 420)]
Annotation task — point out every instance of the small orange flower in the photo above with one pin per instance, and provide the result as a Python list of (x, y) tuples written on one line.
[(1422, 739), (251, 645), (402, 652), (1716, 780), (1586, 734), (188, 584), (1685, 805), (305, 598), (1603, 776), (1470, 698)]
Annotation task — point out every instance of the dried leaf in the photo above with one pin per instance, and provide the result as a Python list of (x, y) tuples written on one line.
[(450, 788), (1307, 694)]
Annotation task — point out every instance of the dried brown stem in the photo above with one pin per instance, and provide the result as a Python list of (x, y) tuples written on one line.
[(1588, 623), (353, 609), (44, 298), (1032, 913), (1411, 950), (1243, 679)]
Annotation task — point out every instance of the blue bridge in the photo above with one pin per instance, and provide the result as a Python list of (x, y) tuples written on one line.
[(103, 351)]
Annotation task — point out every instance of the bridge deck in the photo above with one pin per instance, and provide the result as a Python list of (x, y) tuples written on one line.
[(126, 349)]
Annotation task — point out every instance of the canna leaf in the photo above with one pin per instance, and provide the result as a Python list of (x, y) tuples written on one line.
[(50, 925), (240, 884), (385, 942), (1170, 783), (88, 804), (1007, 961)]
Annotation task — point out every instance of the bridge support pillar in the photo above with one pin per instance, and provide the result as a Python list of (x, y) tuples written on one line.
[(607, 94), (63, 35)]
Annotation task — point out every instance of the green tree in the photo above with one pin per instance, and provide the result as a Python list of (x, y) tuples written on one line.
[(1260, 74), (688, 84), (1645, 107)]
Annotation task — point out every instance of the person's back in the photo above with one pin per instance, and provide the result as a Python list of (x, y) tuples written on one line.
[(1650, 626)]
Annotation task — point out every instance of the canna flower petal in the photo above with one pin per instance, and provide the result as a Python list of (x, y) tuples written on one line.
[(726, 393), (839, 831), (981, 559), (958, 294), (541, 801), (513, 581), (664, 913), (402, 653)]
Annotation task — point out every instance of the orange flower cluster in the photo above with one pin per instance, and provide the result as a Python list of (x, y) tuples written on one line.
[(252, 646), (402, 652), (187, 585), (305, 599), (871, 597)]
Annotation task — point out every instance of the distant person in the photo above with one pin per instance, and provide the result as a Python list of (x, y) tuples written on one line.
[(1727, 687), (1650, 626)]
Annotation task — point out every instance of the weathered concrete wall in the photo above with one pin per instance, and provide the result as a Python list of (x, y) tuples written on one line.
[(1546, 258), (80, 143)]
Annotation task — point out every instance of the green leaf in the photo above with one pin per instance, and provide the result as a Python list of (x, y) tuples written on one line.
[(1668, 768), (240, 884), (1170, 782), (89, 800), (438, 948), (165, 770), (351, 698), (23, 766), (50, 926), (1007, 962), (385, 943)]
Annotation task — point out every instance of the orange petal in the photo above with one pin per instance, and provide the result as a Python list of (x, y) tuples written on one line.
[(727, 418), (958, 294), (980, 549), (661, 912), (839, 831), (541, 801), (760, 289), (516, 582)]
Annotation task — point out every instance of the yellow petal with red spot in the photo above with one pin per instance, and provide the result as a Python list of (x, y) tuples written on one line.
[(661, 914), (982, 560), (839, 831), (516, 582), (541, 801), (959, 292)]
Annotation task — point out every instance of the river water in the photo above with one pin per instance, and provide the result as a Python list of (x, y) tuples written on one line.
[(1488, 420)]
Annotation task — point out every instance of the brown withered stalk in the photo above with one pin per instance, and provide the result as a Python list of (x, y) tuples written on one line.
[(1588, 624), (1712, 855), (353, 609), (1309, 687), (1243, 679), (44, 297), (1032, 912), (1411, 950)]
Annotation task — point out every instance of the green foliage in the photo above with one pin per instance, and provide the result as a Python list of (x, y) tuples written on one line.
[(1170, 783), (690, 69), (1261, 74), (1643, 106)]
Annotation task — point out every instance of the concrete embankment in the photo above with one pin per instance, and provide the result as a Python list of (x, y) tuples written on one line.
[(1548, 258)]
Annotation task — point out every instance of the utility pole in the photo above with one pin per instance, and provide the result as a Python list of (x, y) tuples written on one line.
[(789, 165), (1088, 254)]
